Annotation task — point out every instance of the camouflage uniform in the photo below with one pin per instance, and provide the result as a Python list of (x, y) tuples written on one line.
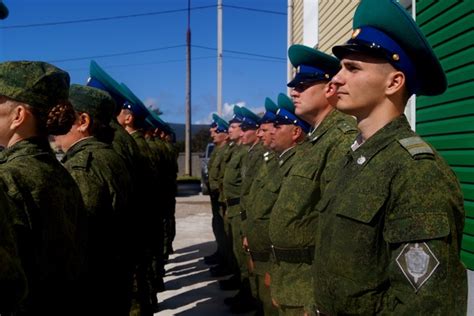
[(94, 166), (390, 229), (214, 166), (293, 220), (48, 214), (13, 282), (264, 193)]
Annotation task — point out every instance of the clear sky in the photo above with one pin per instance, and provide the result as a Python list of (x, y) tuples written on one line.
[(142, 43)]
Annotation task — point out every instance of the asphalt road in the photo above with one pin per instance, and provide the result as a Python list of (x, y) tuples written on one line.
[(190, 289)]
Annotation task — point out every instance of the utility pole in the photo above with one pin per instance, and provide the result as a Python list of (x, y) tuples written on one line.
[(219, 57), (187, 142)]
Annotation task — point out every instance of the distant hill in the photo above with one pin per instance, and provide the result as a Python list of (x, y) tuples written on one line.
[(179, 129)]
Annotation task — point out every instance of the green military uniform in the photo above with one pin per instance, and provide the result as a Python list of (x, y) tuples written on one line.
[(214, 166), (94, 166), (391, 219), (292, 222), (394, 202), (47, 207), (13, 283), (31, 174), (250, 166), (265, 189), (232, 183)]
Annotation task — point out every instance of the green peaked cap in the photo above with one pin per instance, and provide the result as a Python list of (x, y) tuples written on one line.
[(396, 27), (270, 106), (311, 64), (285, 102), (102, 80)]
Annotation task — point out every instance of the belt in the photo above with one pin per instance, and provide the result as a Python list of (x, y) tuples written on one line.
[(232, 202), (262, 256), (243, 215), (293, 255)]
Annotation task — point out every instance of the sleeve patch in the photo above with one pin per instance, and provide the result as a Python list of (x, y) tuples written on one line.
[(415, 146), (418, 263)]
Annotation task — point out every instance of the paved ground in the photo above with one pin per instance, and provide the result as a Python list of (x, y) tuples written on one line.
[(191, 290)]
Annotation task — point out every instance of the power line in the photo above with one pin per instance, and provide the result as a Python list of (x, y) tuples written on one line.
[(128, 16), (158, 49), (18, 26), (254, 10), (241, 53), (115, 54)]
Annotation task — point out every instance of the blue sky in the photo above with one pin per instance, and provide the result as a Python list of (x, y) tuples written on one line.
[(148, 52)]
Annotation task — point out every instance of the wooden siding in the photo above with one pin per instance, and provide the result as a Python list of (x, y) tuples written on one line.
[(298, 21), (335, 22), (447, 121)]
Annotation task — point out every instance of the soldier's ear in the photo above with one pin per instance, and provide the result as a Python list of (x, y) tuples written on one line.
[(395, 83), (84, 121), (19, 113)]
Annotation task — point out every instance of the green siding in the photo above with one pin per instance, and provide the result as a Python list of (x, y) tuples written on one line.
[(447, 121)]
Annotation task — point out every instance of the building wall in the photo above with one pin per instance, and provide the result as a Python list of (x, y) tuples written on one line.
[(447, 121), (335, 22), (298, 21)]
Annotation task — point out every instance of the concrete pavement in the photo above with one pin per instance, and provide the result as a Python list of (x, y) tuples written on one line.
[(190, 289)]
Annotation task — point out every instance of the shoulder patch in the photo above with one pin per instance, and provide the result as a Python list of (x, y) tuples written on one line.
[(416, 146)]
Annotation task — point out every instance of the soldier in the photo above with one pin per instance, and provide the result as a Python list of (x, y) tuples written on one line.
[(252, 151), (391, 219), (259, 205), (230, 195), (47, 205), (220, 137), (293, 220), (94, 165), (150, 270)]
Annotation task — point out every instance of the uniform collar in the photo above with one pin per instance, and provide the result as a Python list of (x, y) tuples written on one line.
[(381, 139), (26, 147), (331, 119)]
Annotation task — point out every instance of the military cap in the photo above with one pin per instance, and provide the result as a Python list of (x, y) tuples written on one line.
[(250, 120), (221, 124), (237, 117), (286, 114), (311, 64), (134, 104), (36, 83), (383, 28), (101, 80), (97, 103), (270, 112), (3, 11)]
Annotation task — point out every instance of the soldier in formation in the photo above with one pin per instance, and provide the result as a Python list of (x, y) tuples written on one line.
[(362, 216)]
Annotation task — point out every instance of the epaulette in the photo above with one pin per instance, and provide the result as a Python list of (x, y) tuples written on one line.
[(83, 163), (416, 146), (346, 127)]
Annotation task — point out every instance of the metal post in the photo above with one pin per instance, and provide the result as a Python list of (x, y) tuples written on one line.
[(187, 144), (219, 57)]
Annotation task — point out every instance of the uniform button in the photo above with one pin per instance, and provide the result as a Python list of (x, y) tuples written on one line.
[(361, 160)]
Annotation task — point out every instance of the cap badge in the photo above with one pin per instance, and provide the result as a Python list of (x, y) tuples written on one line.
[(355, 33)]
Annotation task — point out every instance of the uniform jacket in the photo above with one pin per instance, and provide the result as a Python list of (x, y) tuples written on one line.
[(293, 220), (390, 229)]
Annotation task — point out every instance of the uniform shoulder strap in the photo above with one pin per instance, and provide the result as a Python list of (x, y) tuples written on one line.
[(416, 146)]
